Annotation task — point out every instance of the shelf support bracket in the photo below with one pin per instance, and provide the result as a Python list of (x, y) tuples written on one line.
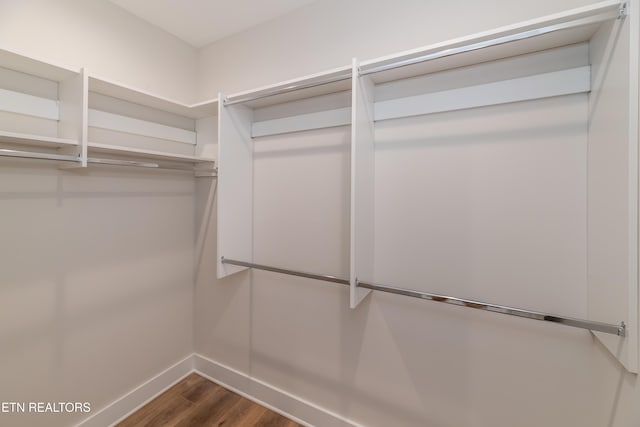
[(622, 329), (623, 12)]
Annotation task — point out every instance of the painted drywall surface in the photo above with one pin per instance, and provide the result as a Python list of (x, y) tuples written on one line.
[(105, 39), (617, 391), (329, 33), (401, 362), (96, 290), (396, 361), (223, 314)]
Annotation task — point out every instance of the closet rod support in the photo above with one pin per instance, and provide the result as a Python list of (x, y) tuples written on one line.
[(624, 11)]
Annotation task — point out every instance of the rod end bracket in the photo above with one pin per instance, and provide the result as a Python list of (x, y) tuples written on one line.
[(622, 329), (623, 11)]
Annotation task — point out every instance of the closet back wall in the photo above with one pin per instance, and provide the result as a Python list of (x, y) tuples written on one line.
[(397, 361)]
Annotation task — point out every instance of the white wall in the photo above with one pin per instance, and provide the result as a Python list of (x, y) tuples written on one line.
[(396, 361), (104, 38), (96, 290), (96, 267)]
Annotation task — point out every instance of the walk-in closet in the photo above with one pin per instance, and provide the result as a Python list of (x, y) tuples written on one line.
[(319, 213)]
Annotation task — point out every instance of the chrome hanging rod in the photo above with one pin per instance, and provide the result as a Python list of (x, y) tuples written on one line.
[(601, 13), (40, 156), (93, 160), (324, 277), (608, 328), (288, 88), (133, 163)]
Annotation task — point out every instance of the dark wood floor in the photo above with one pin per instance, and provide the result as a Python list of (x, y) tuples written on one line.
[(196, 401)]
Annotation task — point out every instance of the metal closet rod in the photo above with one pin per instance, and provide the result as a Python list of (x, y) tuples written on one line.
[(289, 88), (40, 156), (133, 163), (324, 277), (608, 328), (612, 11), (93, 160)]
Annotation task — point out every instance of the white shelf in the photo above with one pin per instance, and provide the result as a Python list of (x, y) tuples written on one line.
[(24, 64), (537, 86), (302, 122), (127, 121), (563, 29), (121, 123), (43, 105), (36, 140), (29, 105), (149, 154), (204, 109), (147, 99)]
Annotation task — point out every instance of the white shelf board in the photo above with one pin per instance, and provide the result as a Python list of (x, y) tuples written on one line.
[(119, 123), (24, 64), (36, 140), (29, 105), (95, 147), (137, 96), (204, 109), (545, 85), (562, 37), (291, 91)]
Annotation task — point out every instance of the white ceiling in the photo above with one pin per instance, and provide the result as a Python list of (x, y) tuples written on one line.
[(200, 22)]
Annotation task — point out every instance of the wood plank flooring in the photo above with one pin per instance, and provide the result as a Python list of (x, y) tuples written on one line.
[(196, 401)]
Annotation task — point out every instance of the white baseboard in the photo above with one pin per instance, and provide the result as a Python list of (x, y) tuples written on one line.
[(141, 395), (280, 401)]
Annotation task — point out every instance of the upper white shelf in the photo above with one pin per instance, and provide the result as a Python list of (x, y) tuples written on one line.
[(561, 29), (147, 99), (125, 121), (27, 65)]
